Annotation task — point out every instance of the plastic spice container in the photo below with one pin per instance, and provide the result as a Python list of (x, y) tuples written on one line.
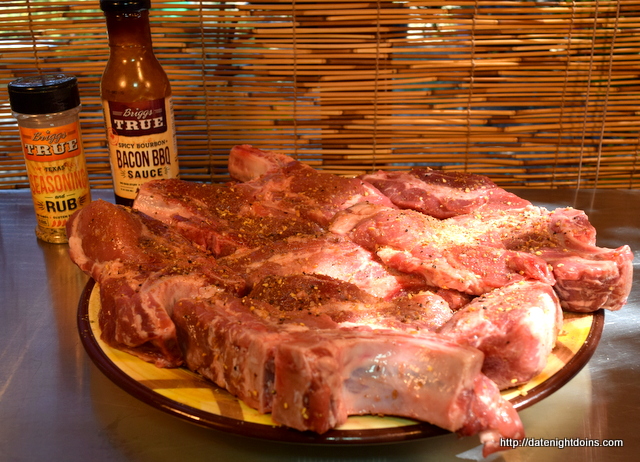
[(47, 108)]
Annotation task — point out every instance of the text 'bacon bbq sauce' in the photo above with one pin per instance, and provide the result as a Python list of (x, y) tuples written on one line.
[(136, 97)]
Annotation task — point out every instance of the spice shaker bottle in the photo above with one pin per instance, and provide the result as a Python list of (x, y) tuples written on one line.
[(136, 97), (47, 109)]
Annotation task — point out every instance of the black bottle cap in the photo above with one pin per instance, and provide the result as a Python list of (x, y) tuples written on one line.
[(44, 94), (124, 6)]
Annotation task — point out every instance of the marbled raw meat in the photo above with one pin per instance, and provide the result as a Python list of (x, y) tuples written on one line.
[(247, 162), (448, 256), (587, 277), (328, 255), (348, 305), (365, 340), (296, 187), (143, 268), (221, 218), (442, 194), (516, 328), (311, 371)]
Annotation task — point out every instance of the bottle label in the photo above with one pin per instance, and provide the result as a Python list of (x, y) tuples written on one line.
[(142, 143), (58, 177)]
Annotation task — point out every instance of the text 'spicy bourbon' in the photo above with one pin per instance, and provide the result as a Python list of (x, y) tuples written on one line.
[(136, 96)]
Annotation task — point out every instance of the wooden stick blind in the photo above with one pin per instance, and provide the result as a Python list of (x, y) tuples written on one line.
[(530, 93)]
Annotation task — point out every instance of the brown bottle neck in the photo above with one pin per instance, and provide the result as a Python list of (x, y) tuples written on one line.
[(129, 29)]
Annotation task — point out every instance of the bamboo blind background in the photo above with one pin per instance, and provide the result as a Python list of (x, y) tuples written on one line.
[(530, 93)]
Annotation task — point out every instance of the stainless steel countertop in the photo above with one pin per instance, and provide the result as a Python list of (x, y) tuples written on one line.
[(56, 405)]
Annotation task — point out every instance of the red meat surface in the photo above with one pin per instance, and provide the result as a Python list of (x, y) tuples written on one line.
[(314, 296)]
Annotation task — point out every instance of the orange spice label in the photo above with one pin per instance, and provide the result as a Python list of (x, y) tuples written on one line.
[(57, 172), (53, 143)]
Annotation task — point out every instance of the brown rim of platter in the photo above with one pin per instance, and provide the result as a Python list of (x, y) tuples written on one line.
[(573, 362)]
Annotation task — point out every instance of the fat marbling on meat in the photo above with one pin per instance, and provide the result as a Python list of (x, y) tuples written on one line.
[(442, 194), (312, 365), (143, 267), (327, 254), (515, 326), (222, 276), (446, 255), (222, 218), (587, 277), (296, 187), (168, 301)]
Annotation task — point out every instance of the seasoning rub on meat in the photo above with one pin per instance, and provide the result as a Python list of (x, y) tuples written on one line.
[(314, 297)]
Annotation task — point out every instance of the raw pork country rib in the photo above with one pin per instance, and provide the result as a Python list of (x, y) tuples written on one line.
[(446, 255), (311, 372), (284, 198), (315, 297), (326, 355), (297, 187), (247, 162), (143, 268), (348, 305), (222, 218), (442, 194), (587, 277), (516, 327), (245, 332), (327, 254)]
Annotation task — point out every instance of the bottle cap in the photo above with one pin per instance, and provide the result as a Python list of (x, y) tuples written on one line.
[(123, 6), (44, 94)]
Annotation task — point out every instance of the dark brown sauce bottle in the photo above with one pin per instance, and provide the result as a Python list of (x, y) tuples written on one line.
[(136, 97)]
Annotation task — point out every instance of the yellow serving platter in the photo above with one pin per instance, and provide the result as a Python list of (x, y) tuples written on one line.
[(189, 396)]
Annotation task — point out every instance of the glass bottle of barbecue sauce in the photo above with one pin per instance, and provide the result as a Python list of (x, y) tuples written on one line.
[(136, 97), (47, 109)]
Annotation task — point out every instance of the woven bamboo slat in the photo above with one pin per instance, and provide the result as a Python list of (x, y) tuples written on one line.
[(531, 93)]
